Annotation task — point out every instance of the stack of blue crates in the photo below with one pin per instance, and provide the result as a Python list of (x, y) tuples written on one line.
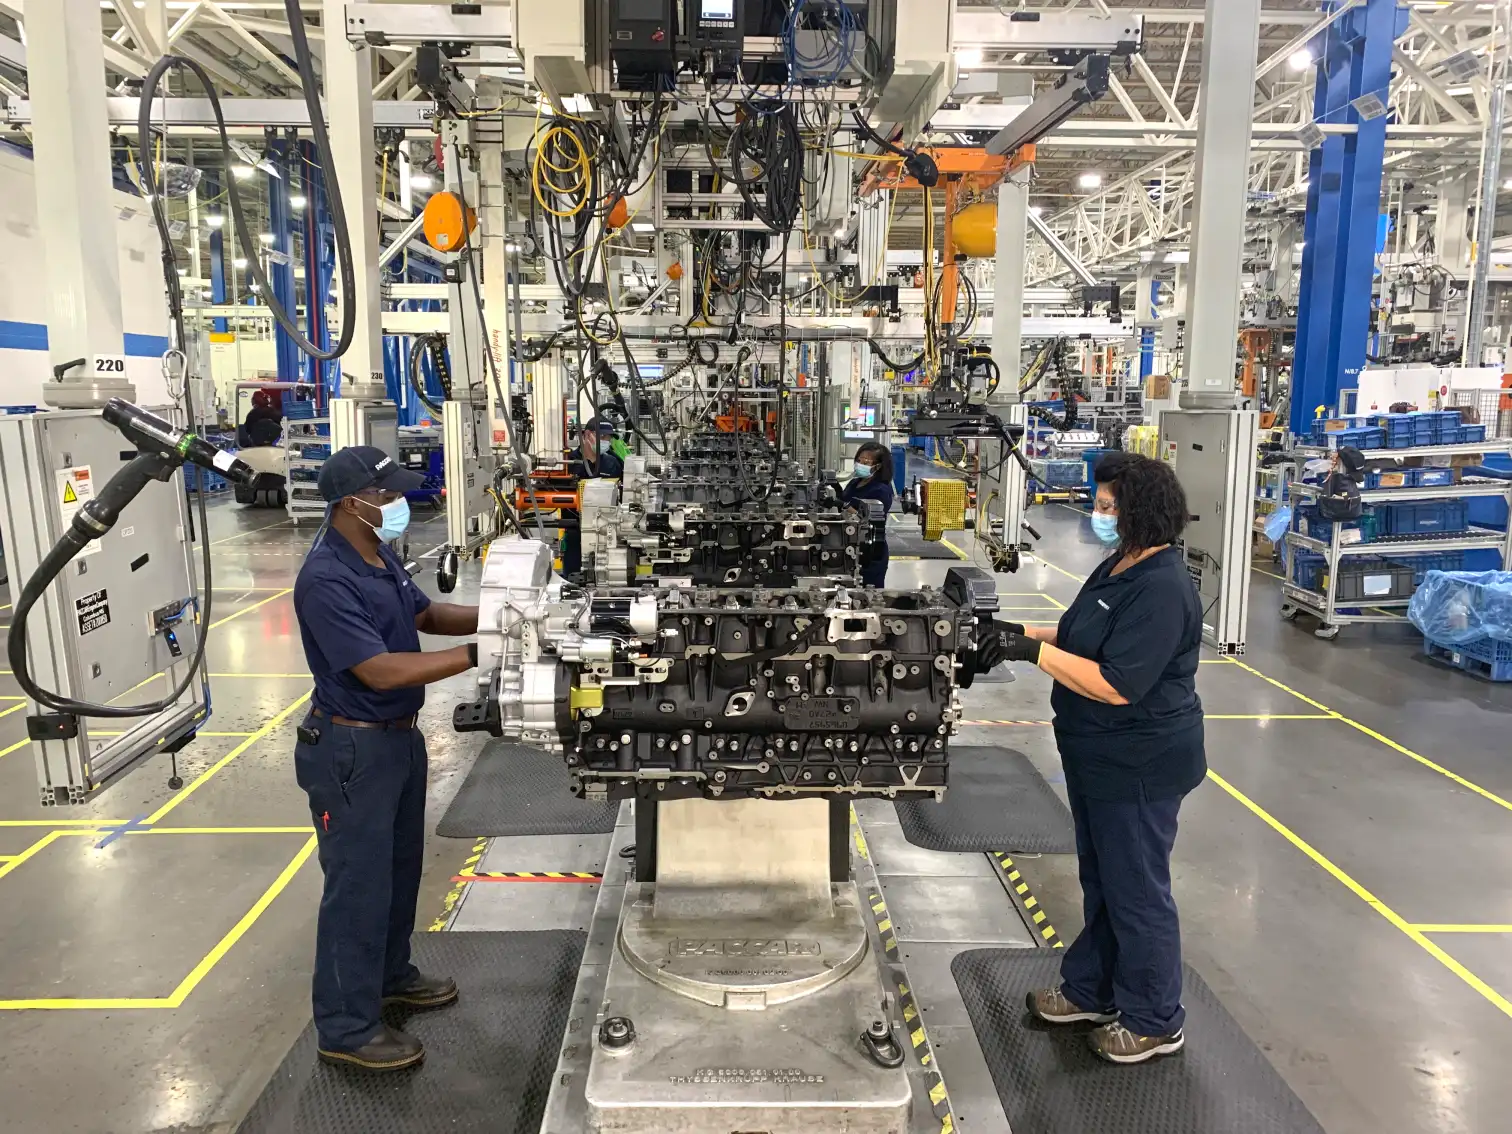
[(1408, 430)]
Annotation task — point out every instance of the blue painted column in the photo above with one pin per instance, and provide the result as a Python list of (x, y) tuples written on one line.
[(316, 272), (281, 256), (1343, 203), (219, 283), (1147, 337)]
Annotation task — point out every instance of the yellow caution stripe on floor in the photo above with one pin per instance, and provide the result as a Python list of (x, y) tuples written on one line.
[(458, 888), (1031, 905)]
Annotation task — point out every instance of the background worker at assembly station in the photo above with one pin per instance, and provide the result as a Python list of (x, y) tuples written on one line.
[(872, 479), (1130, 731), (361, 760), (598, 459)]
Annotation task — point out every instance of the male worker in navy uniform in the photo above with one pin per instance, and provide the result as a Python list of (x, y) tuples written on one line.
[(362, 761), (598, 459)]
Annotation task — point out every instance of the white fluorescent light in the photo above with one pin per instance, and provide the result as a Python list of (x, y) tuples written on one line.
[(642, 226), (265, 237), (1507, 184), (215, 220), (253, 286), (241, 172), (1089, 181), (1036, 211), (239, 262), (421, 181), (183, 273), (297, 201), (1300, 60), (969, 57), (1299, 246)]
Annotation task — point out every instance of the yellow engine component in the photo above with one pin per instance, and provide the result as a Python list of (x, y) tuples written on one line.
[(447, 223), (942, 504), (975, 229)]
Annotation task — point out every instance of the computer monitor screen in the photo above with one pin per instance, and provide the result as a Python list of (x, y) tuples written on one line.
[(717, 10)]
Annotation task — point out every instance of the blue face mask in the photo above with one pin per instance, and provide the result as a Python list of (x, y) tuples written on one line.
[(1105, 527), (860, 471), (395, 519)]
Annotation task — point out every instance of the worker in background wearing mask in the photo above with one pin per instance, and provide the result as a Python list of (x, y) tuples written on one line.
[(361, 760), (598, 459), (872, 479)]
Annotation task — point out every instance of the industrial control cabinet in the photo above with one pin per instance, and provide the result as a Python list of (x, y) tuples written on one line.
[(121, 623)]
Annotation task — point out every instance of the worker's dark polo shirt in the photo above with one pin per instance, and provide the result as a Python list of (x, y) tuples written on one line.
[(350, 611), (1144, 629)]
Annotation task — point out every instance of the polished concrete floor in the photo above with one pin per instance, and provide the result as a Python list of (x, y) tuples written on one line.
[(1340, 876)]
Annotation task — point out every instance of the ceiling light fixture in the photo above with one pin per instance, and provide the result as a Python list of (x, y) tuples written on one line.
[(239, 262), (265, 237), (241, 172), (297, 201), (421, 181), (1300, 60), (1089, 181), (215, 220)]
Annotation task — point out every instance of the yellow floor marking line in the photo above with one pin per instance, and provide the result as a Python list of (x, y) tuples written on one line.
[(12, 698), (176, 998), (1451, 928), (63, 822), (249, 531), (454, 895), (1269, 717), (1413, 932), (1058, 604), (13, 747), (250, 609), (306, 676), (1386, 740), (12, 709), (1032, 908), (305, 830), (35, 849), (961, 555), (190, 788)]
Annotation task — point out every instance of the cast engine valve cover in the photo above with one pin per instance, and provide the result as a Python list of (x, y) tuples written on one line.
[(684, 691)]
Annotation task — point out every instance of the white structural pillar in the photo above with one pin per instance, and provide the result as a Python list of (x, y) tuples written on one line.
[(1451, 226), (349, 111), (1008, 282), (1230, 37), (70, 135)]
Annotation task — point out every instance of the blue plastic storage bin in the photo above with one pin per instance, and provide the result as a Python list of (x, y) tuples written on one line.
[(1423, 518), (1432, 477), (1307, 569), (1471, 434)]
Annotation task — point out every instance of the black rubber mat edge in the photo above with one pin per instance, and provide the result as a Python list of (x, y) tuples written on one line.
[(1023, 816), (489, 1058), (1050, 1082), (515, 790)]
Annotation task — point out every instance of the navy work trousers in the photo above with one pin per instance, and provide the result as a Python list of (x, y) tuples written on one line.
[(367, 796), (1127, 957), (874, 574)]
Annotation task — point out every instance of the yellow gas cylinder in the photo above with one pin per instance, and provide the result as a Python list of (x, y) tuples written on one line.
[(975, 229)]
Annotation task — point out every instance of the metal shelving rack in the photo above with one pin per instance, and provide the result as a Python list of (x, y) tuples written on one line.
[(1325, 604), (304, 497)]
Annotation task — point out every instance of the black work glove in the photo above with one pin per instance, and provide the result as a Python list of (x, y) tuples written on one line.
[(1018, 647)]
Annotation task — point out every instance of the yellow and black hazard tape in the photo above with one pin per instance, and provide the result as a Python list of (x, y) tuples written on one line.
[(585, 876), (1031, 904), (913, 1020), (454, 895)]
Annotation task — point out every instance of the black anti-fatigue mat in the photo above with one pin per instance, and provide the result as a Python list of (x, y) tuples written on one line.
[(489, 1058), (1050, 1082), (996, 801), (514, 790), (902, 544)]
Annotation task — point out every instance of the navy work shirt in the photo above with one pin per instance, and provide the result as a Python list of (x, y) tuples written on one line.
[(1144, 629), (872, 488), (350, 611)]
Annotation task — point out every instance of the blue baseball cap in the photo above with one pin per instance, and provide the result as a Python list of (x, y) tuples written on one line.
[(361, 467)]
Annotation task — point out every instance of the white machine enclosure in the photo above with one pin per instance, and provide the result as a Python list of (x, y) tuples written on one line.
[(1213, 453), (97, 634)]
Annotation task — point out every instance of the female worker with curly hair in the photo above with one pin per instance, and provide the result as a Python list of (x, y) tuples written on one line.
[(1129, 727)]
